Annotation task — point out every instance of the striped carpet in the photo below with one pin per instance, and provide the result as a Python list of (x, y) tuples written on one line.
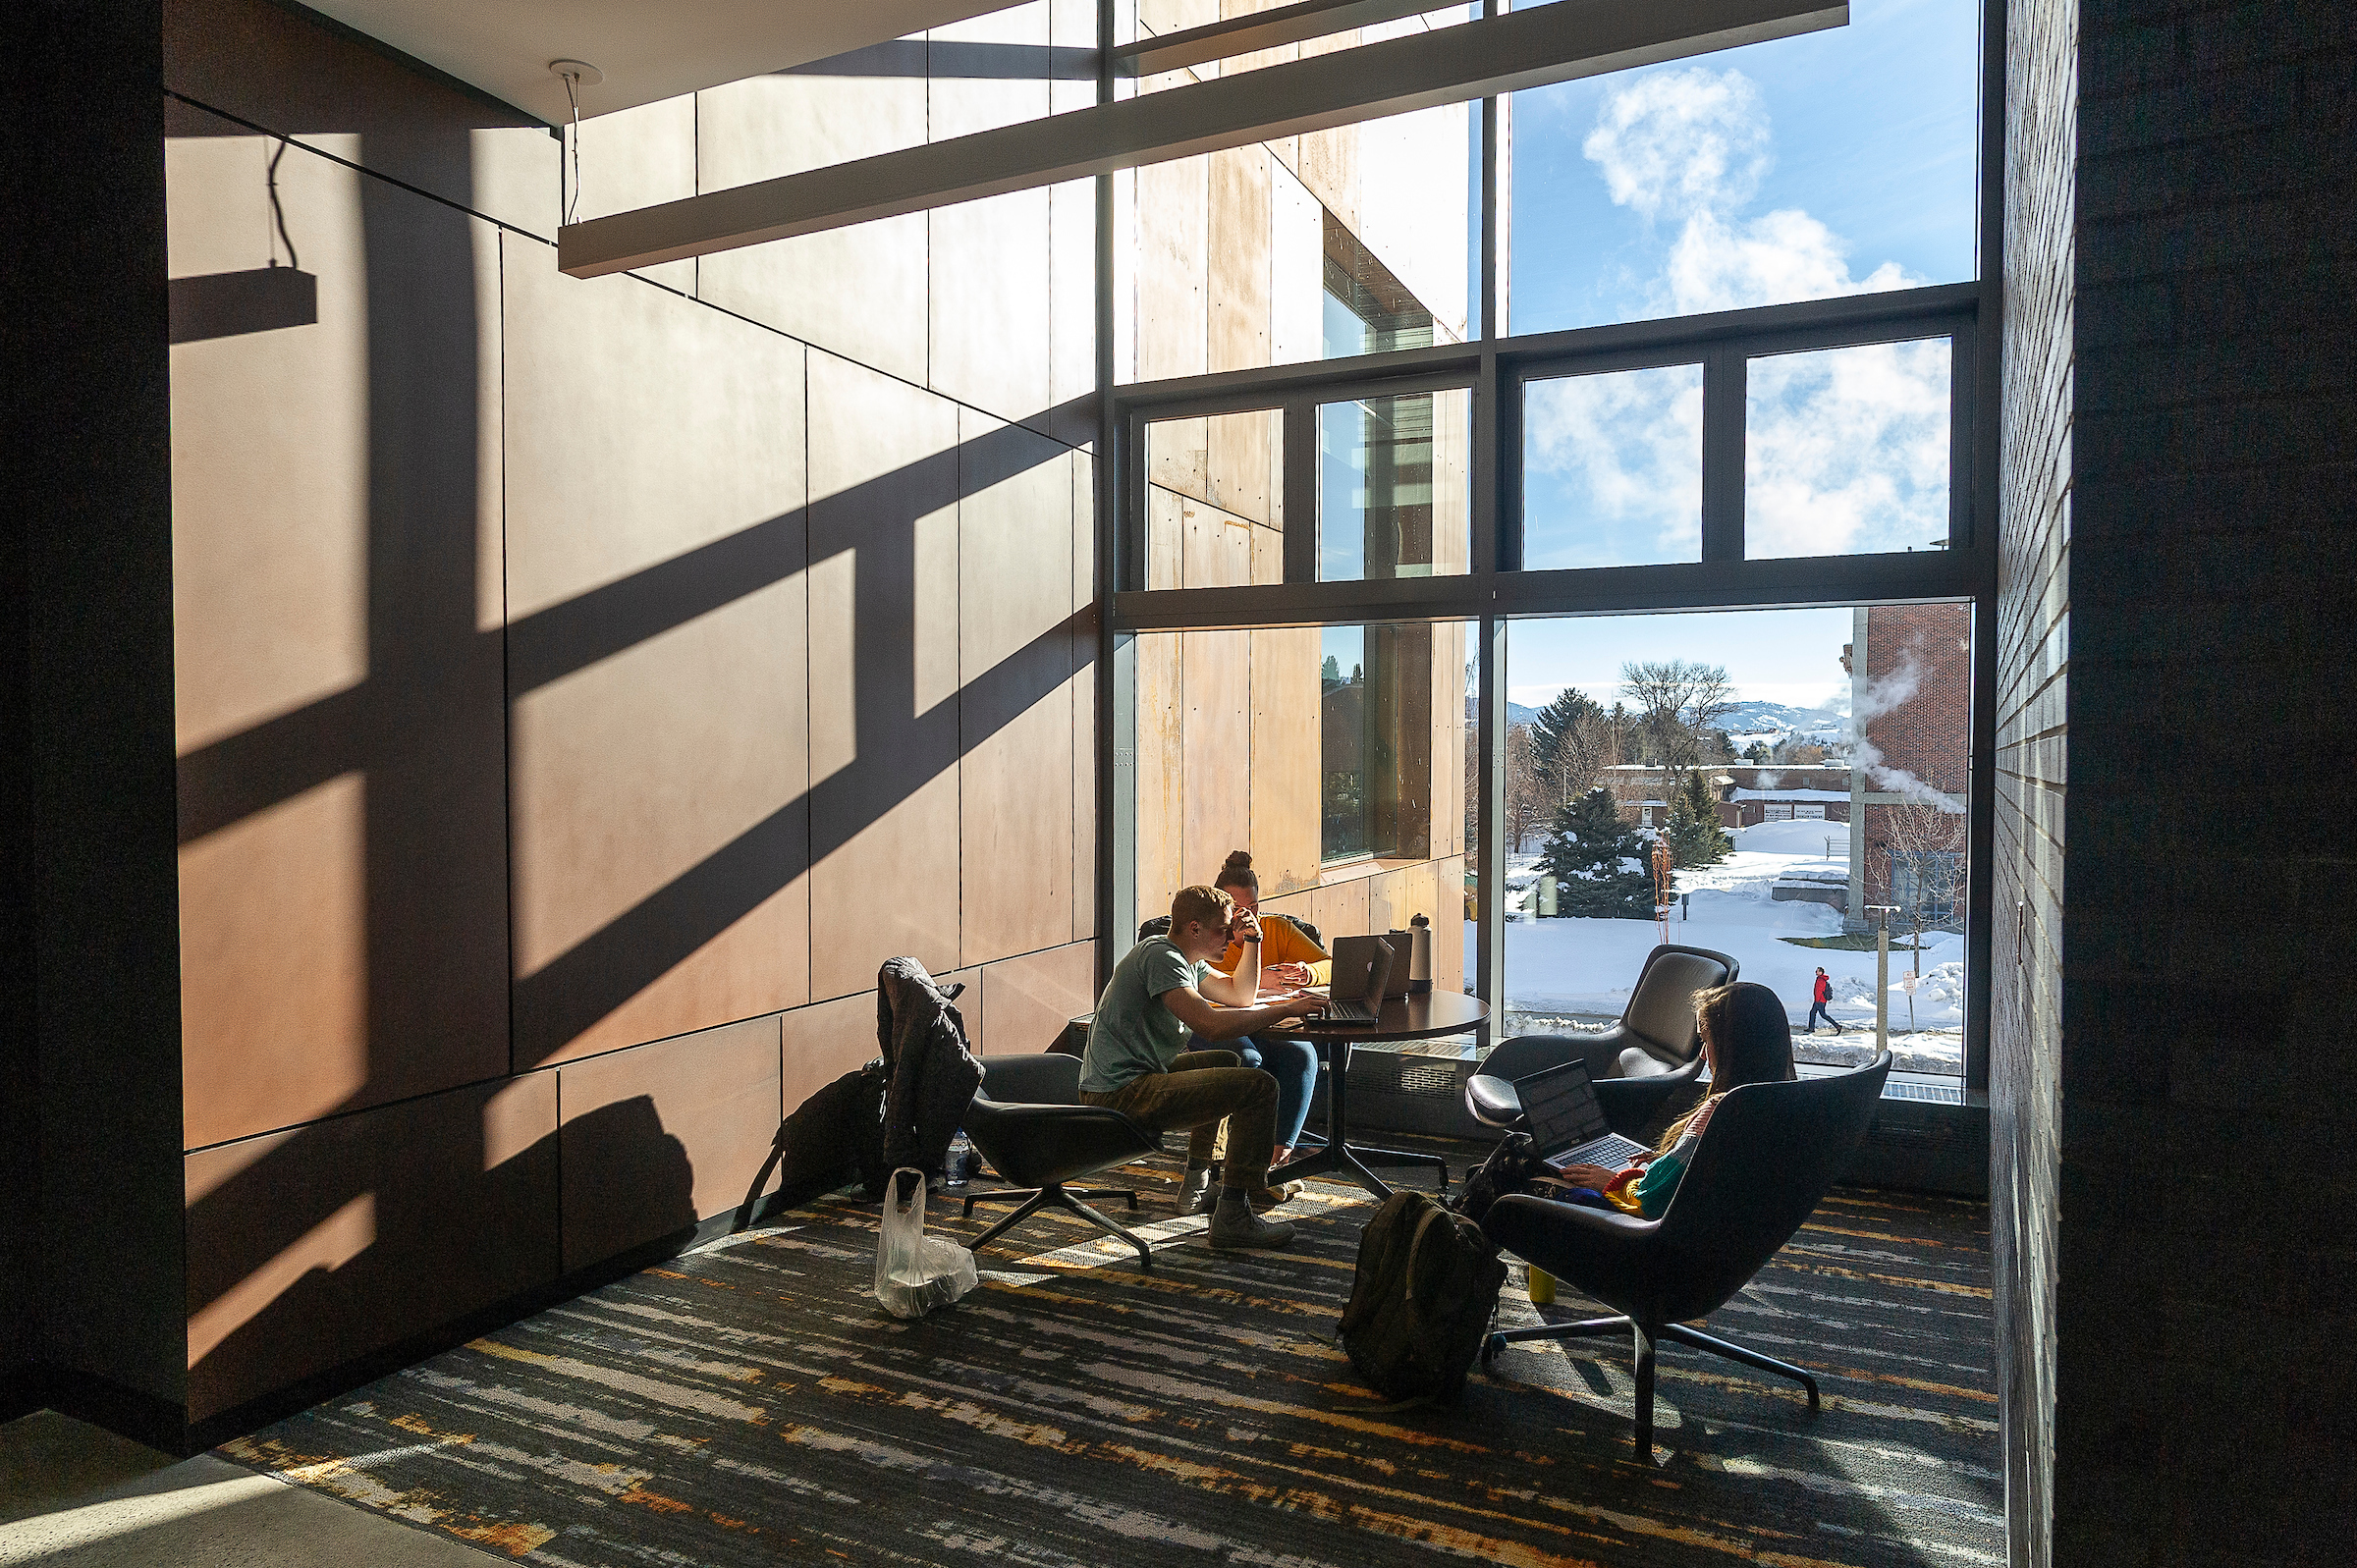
[(747, 1403)]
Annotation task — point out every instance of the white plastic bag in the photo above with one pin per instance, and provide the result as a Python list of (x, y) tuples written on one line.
[(916, 1272)]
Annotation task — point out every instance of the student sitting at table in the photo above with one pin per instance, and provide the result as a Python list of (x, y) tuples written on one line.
[(1746, 1038), (1288, 957), (1160, 995)]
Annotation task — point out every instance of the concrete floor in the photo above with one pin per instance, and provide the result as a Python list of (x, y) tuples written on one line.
[(78, 1496)]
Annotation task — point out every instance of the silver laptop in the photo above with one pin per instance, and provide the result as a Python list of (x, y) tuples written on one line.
[(1566, 1124), (1362, 967)]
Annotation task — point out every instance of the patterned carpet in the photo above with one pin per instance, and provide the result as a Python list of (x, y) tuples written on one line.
[(748, 1403)]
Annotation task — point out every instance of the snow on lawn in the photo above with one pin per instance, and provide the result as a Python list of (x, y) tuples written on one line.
[(1580, 965)]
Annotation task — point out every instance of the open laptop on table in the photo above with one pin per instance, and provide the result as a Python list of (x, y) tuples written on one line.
[(1566, 1124), (1362, 967)]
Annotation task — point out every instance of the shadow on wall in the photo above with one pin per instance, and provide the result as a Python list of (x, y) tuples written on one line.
[(346, 1234), (440, 1225)]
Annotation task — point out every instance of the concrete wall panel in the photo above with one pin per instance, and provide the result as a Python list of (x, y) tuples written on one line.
[(1245, 465), (1160, 830), (660, 1136), (1296, 270), (1215, 546), (990, 299)]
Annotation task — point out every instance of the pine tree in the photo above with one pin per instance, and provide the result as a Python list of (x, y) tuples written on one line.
[(1695, 837), (1591, 853)]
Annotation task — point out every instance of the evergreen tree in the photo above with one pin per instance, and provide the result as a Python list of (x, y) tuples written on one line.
[(1695, 837), (1598, 861), (1757, 752)]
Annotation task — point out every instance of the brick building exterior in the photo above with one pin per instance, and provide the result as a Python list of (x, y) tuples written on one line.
[(1918, 659)]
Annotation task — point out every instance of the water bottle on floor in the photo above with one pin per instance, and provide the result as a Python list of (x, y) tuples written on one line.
[(958, 1169)]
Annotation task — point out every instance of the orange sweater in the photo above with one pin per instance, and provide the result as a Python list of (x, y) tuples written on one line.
[(1281, 942)]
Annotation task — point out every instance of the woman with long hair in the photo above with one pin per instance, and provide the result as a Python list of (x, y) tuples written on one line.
[(1746, 1038)]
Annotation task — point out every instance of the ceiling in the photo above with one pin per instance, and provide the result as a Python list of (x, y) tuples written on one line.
[(648, 51)]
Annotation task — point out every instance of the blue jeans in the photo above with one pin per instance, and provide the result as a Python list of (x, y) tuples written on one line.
[(1293, 1064)]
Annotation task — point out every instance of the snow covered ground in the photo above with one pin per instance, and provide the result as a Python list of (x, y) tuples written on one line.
[(1587, 966)]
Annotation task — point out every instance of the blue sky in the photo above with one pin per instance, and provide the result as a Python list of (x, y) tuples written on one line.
[(1788, 656), (1870, 130), (1836, 163)]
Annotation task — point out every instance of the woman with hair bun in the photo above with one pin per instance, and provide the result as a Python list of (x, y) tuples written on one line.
[(1288, 957)]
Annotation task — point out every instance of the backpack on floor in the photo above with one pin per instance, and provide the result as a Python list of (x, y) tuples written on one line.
[(1420, 1305)]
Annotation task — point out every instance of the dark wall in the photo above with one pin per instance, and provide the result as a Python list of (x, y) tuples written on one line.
[(89, 678), (2033, 653), (2201, 1387)]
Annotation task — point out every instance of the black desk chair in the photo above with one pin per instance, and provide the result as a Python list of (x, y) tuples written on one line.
[(1029, 1121), (1656, 1046), (1767, 1158)]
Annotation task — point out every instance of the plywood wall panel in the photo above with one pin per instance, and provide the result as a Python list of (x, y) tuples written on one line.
[(1215, 765), (642, 157), (883, 661), (1028, 1000), (663, 1135), (1236, 192), (822, 1042), (860, 291), (312, 1247), (1178, 457), (661, 830), (335, 535), (1172, 265), (1215, 546), (1160, 825), (1015, 796), (1285, 757), (1245, 468)]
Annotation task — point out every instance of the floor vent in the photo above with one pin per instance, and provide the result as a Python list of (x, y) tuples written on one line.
[(1938, 1093)]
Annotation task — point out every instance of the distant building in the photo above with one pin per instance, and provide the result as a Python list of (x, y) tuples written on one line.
[(1914, 682)]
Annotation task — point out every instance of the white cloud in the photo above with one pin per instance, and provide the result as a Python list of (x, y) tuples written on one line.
[(1674, 141), (1846, 451)]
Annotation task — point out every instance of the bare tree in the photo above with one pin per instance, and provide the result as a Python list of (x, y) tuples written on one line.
[(1529, 802), (1923, 863), (1677, 703)]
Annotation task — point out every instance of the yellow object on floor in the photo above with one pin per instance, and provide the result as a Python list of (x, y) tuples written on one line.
[(1542, 1287)]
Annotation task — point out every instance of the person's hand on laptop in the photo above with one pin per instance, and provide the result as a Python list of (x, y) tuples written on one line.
[(1596, 1176)]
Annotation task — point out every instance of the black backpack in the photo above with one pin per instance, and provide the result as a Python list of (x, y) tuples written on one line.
[(837, 1128), (1420, 1306)]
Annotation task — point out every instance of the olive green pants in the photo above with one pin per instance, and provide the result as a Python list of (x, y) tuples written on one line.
[(1203, 1089)]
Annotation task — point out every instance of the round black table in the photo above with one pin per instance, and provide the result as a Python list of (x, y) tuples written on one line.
[(1425, 1017)]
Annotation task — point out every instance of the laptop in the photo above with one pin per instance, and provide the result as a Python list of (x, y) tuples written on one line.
[(1362, 967), (1566, 1124)]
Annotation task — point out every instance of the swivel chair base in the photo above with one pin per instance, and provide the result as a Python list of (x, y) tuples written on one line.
[(1038, 1198), (1646, 1340)]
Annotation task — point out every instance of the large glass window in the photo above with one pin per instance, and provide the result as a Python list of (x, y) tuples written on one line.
[(1845, 450), (1611, 468), (1836, 162), (1807, 770), (1335, 755), (1395, 488)]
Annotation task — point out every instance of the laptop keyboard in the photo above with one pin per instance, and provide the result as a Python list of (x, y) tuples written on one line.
[(1610, 1150), (1350, 1012)]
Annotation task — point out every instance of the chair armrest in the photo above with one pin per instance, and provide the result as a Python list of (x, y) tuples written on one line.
[(1600, 1251)]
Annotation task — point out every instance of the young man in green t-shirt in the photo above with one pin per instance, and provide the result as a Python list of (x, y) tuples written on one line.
[(1162, 994)]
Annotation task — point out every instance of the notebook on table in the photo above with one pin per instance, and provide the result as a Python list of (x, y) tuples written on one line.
[(1566, 1124), (1362, 967)]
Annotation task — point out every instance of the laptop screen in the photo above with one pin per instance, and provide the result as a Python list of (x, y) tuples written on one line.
[(1561, 1106)]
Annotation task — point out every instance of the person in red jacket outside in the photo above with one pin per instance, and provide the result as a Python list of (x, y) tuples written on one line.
[(1822, 994)]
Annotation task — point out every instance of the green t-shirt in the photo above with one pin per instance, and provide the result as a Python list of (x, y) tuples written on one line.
[(1135, 1034)]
